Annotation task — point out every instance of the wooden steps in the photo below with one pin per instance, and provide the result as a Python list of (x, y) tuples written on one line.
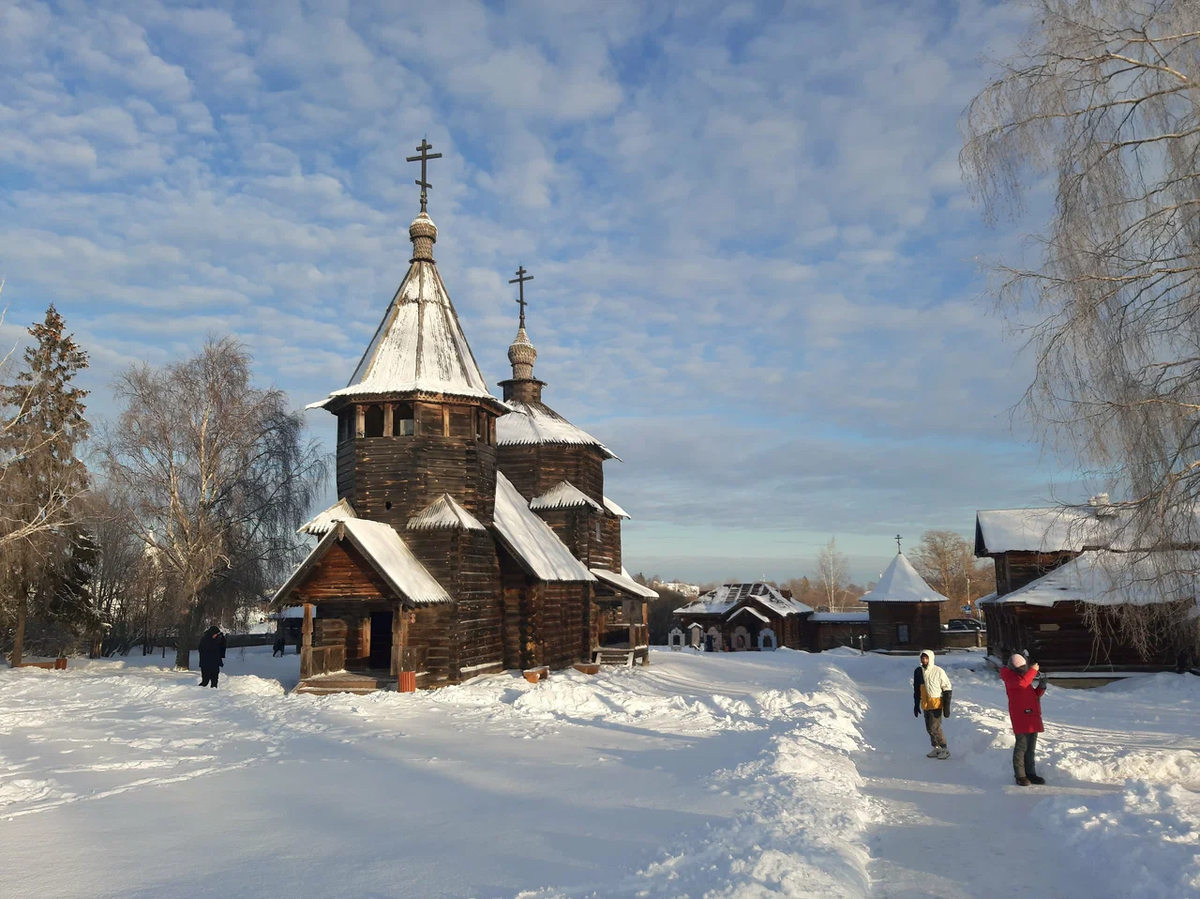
[(615, 657), (346, 682)]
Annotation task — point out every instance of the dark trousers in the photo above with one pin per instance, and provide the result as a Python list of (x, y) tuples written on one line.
[(209, 674), (277, 651), (1023, 755), (933, 724)]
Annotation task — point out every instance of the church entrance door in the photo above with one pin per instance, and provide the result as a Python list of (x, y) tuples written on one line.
[(381, 641)]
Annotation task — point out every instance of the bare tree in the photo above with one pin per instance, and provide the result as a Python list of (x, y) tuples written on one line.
[(832, 574), (1102, 101), (948, 564), (219, 478)]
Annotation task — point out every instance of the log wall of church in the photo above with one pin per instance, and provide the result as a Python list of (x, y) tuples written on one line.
[(535, 469), (391, 479)]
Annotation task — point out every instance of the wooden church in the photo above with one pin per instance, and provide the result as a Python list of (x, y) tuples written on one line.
[(471, 534)]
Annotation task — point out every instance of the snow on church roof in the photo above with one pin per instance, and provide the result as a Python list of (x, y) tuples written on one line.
[(530, 424), (615, 509), (1106, 578), (727, 596), (385, 551), (563, 495), (901, 583), (624, 583), (531, 540), (444, 512), (320, 523), (419, 345)]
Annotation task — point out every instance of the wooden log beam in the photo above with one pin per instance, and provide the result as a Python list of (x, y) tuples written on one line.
[(306, 635)]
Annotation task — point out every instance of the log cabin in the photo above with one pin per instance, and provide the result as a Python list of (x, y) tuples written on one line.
[(458, 545), (904, 612), (740, 617), (1053, 563)]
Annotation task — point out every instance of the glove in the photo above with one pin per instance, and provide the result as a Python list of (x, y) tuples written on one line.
[(916, 710), (945, 703)]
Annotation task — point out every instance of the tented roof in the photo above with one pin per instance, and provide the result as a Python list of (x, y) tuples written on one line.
[(529, 424), (563, 495), (531, 540), (624, 583), (444, 512), (727, 596), (419, 345), (385, 551), (1106, 578), (320, 523), (901, 583)]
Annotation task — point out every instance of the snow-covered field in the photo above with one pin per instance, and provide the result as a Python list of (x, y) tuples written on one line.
[(745, 775)]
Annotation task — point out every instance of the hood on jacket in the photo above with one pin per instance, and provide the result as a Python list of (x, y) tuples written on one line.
[(932, 657), (212, 631)]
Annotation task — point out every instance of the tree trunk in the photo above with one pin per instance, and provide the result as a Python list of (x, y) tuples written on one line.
[(19, 636)]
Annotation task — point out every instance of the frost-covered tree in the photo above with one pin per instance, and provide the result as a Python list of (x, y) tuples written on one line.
[(1101, 107), (218, 477), (832, 574)]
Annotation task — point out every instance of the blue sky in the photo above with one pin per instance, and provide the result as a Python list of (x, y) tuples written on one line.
[(754, 256)]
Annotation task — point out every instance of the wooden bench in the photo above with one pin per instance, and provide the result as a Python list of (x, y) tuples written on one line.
[(587, 667), (59, 664), (533, 675)]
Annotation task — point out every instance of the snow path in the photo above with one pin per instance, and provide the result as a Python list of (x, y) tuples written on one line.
[(721, 776), (947, 829)]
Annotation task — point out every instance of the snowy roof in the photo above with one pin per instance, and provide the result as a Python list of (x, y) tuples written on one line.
[(901, 583), (1068, 528), (531, 540), (1106, 578), (842, 617), (536, 423), (615, 509), (320, 524), (752, 611), (624, 583), (727, 596), (419, 345), (563, 495), (387, 553), (444, 512)]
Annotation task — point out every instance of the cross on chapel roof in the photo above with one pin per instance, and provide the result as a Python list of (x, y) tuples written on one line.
[(520, 280), (423, 158)]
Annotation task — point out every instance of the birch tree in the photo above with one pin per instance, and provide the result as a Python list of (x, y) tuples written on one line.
[(832, 573), (218, 476), (1100, 106)]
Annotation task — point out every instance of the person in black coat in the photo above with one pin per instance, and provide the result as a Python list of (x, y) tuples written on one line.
[(280, 645), (212, 656)]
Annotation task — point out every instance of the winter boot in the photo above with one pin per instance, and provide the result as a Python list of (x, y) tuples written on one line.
[(1023, 781), (942, 753), (1034, 779), (932, 754)]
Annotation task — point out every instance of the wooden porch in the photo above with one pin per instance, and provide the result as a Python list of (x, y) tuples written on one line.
[(622, 633)]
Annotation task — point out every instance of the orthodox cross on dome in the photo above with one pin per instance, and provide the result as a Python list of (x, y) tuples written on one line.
[(424, 158), (898, 544), (520, 280)]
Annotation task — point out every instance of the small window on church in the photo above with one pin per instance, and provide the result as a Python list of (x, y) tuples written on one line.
[(461, 422), (481, 426), (599, 534), (429, 420), (901, 633), (345, 426), (373, 422), (403, 424)]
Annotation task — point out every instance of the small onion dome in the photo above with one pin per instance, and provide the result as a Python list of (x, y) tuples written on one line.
[(522, 355), (423, 233)]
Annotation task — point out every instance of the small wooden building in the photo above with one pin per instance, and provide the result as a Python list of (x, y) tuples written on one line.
[(1053, 563), (460, 544), (905, 613), (829, 630), (739, 617)]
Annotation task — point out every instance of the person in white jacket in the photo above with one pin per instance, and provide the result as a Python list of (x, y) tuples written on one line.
[(931, 695)]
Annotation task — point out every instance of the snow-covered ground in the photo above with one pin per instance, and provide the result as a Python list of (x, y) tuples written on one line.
[(748, 775)]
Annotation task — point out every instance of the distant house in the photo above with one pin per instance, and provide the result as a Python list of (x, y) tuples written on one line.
[(679, 587), (1051, 563), (905, 613), (736, 617)]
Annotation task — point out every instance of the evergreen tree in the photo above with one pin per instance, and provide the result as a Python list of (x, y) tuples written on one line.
[(45, 557)]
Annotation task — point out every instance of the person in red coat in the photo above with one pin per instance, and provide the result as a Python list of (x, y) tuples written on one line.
[(1025, 685)]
